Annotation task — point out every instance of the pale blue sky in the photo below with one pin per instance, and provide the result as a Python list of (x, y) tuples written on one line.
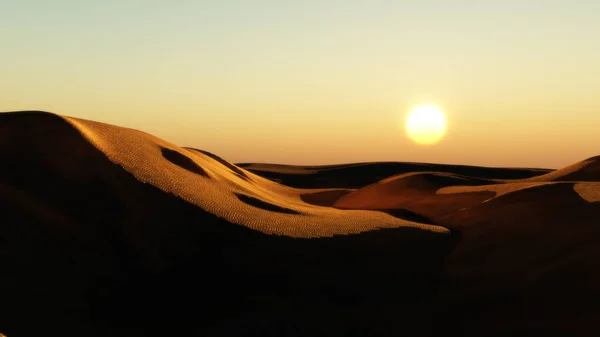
[(317, 81)]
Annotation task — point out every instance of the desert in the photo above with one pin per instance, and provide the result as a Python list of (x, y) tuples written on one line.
[(110, 231)]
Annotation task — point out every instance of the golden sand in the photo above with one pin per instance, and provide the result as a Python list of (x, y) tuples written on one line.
[(141, 154)]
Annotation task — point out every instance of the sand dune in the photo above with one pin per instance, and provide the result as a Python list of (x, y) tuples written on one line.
[(529, 257), (435, 194), (351, 176), (497, 189), (587, 170), (203, 179), (108, 231), (112, 231), (416, 192)]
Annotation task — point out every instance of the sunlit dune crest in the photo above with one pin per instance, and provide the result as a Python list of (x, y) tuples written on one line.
[(142, 155)]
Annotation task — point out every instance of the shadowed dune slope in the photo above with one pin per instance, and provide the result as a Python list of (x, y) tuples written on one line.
[(527, 264), (227, 164), (324, 197), (359, 175), (108, 231)]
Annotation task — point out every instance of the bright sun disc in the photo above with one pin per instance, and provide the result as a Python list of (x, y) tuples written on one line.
[(426, 124)]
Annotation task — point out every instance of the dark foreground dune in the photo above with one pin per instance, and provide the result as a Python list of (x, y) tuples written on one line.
[(107, 231)]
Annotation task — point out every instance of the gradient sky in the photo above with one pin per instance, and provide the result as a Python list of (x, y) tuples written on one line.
[(316, 82)]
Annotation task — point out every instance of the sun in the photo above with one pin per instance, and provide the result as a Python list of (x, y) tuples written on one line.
[(426, 124)]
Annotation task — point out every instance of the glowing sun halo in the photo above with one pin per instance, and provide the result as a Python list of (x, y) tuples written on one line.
[(426, 124)]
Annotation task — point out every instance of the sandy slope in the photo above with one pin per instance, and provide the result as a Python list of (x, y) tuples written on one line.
[(588, 191), (416, 192), (526, 264), (587, 170), (437, 194), (215, 190)]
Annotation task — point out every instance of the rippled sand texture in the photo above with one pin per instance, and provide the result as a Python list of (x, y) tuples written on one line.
[(143, 155), (588, 191)]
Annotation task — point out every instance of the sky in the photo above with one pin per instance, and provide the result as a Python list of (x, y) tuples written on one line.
[(317, 82)]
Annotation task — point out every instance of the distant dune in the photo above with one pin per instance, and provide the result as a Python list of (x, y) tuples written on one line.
[(587, 170), (362, 174), (108, 231), (416, 192)]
